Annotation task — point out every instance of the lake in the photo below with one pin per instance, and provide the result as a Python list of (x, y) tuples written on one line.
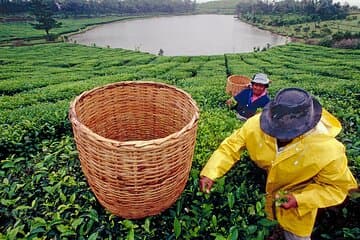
[(189, 35)]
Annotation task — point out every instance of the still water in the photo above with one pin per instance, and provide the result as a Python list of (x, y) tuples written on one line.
[(181, 35)]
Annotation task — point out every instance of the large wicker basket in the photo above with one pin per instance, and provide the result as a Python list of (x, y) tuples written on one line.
[(236, 83), (136, 144)]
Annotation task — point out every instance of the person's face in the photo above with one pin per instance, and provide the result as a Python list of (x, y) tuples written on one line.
[(283, 142), (258, 88)]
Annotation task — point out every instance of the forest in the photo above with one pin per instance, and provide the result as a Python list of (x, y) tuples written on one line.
[(93, 7), (314, 10)]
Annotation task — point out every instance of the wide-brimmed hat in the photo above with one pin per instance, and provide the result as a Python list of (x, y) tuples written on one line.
[(261, 78), (290, 114)]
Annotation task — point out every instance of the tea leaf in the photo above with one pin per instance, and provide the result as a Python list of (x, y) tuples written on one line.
[(214, 220), (9, 202), (93, 236), (251, 229), (219, 237), (231, 200), (266, 222), (131, 234), (177, 227), (77, 222), (234, 233), (147, 225)]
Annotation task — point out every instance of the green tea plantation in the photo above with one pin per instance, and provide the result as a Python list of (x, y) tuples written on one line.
[(44, 194)]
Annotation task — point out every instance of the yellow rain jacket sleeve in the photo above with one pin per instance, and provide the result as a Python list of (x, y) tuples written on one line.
[(313, 167), (225, 156)]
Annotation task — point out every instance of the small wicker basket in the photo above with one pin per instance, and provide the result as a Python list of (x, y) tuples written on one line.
[(136, 143), (236, 83)]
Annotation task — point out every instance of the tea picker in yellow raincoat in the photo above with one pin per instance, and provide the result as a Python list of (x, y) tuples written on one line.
[(293, 139)]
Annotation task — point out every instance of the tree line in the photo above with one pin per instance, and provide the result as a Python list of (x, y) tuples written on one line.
[(66, 8), (309, 10)]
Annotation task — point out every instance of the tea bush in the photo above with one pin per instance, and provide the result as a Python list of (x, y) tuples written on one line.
[(44, 194)]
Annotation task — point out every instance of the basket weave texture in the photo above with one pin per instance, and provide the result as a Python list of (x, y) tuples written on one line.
[(136, 143), (236, 83)]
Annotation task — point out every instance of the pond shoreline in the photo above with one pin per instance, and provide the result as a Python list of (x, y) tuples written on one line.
[(67, 35), (220, 35)]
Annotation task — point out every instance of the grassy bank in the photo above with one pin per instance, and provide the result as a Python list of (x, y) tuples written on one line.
[(312, 32), (22, 33)]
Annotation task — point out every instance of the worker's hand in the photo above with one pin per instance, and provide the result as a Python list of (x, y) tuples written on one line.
[(290, 203), (229, 102), (206, 184)]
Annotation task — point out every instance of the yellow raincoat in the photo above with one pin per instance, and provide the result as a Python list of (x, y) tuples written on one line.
[(313, 167)]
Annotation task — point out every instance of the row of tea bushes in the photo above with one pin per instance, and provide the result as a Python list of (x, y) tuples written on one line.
[(43, 191)]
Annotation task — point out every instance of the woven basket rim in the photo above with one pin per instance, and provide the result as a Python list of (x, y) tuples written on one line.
[(135, 143), (239, 76)]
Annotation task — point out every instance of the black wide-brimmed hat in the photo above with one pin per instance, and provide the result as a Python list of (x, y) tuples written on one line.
[(290, 114)]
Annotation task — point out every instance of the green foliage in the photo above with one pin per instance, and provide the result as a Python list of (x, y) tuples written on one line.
[(320, 22), (44, 194), (218, 7), (88, 8), (24, 30), (313, 10), (44, 16)]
